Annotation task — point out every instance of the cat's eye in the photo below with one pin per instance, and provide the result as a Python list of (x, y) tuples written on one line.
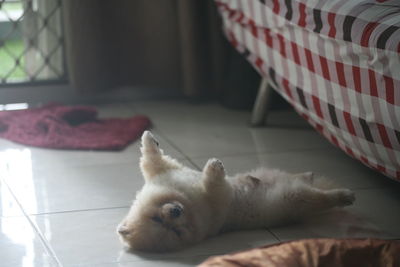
[(157, 219)]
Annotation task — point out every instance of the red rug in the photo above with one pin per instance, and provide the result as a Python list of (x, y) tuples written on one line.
[(70, 127)]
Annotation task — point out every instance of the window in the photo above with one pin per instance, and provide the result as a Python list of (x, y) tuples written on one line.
[(31, 41)]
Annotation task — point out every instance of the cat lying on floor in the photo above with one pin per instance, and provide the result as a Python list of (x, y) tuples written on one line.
[(179, 206)]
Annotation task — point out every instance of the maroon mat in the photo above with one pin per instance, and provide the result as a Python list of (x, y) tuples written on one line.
[(70, 127)]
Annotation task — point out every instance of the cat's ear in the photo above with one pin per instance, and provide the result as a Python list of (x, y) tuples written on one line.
[(213, 173), (153, 161)]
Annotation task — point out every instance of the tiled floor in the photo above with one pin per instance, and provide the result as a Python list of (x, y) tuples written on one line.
[(61, 208)]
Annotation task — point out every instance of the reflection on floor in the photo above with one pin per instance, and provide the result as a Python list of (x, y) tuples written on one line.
[(61, 208)]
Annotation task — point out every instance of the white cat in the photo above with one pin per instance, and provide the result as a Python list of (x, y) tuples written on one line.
[(178, 206)]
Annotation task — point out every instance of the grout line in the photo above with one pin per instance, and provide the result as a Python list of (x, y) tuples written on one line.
[(45, 243), (193, 163), (240, 154), (274, 235), (172, 144), (80, 210), (140, 260), (91, 165)]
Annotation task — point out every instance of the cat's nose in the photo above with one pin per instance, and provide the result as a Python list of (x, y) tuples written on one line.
[(123, 230)]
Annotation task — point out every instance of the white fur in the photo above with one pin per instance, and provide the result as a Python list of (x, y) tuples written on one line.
[(179, 206)]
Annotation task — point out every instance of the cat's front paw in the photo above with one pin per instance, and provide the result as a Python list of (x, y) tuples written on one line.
[(215, 168), (150, 146), (213, 173), (148, 139)]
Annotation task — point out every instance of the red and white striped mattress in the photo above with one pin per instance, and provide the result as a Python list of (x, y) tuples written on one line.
[(336, 61)]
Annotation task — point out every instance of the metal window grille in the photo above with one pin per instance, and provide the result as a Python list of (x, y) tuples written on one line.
[(31, 41)]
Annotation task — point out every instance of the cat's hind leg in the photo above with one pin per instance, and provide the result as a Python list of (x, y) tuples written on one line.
[(307, 199)]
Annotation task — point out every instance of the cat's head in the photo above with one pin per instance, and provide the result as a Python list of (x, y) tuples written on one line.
[(159, 220), (162, 217)]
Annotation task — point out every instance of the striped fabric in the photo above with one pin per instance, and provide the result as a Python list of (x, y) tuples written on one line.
[(336, 61)]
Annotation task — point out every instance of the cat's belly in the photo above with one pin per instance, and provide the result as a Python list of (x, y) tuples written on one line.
[(255, 208)]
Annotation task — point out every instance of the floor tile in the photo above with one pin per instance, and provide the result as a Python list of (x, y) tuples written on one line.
[(164, 112), (331, 163), (82, 237), (374, 214), (212, 130), (380, 207), (21, 246), (8, 206), (114, 110), (168, 262), (219, 245), (75, 188), (89, 238), (42, 158), (78, 188)]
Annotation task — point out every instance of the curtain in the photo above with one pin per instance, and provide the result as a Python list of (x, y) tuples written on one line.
[(149, 43)]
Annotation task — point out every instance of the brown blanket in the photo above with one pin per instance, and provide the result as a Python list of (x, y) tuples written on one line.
[(316, 252)]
